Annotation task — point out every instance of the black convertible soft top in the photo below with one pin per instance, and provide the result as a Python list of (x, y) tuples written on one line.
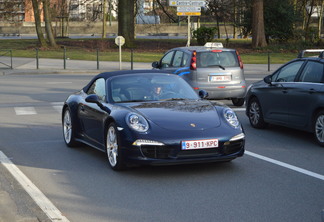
[(107, 75)]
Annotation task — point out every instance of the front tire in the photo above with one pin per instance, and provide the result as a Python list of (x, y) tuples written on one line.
[(255, 114), (68, 128), (319, 128), (238, 101), (114, 154)]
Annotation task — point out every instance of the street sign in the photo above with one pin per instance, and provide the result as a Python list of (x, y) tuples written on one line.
[(199, 3), (120, 40), (188, 9), (188, 13)]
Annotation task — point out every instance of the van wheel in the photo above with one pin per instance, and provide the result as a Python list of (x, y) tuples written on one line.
[(319, 128), (238, 101)]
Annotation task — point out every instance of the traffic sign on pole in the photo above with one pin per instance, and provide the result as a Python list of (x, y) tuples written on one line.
[(120, 41), (188, 13), (200, 3), (188, 9)]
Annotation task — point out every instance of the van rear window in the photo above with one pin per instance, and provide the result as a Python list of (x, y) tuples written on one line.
[(223, 58)]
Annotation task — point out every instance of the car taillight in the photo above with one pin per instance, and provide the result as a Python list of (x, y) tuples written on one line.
[(240, 60), (217, 50), (193, 64)]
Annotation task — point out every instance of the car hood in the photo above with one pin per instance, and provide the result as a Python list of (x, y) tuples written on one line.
[(180, 115)]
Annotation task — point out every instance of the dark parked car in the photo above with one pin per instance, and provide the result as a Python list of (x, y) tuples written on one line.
[(213, 68), (149, 117), (292, 96)]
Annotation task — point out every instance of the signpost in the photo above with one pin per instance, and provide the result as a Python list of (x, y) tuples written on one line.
[(188, 8), (120, 41)]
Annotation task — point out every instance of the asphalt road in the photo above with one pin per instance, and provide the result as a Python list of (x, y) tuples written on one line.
[(81, 185)]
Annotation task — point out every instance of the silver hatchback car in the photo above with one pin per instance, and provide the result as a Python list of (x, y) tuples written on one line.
[(213, 68)]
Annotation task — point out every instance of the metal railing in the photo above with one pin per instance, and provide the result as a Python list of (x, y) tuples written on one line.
[(65, 58), (6, 54)]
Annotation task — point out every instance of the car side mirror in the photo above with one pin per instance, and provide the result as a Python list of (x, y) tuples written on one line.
[(268, 79), (93, 98), (203, 94), (156, 65)]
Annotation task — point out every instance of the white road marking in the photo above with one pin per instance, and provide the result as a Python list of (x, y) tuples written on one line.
[(25, 111), (239, 109), (57, 83), (291, 167), (41, 200), (253, 79), (57, 106)]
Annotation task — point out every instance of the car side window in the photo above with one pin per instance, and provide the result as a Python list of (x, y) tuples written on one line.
[(177, 59), (185, 59), (288, 73), (313, 72), (166, 60), (98, 88)]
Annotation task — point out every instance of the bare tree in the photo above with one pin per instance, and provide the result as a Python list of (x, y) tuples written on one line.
[(258, 33), (126, 26), (38, 23), (48, 23)]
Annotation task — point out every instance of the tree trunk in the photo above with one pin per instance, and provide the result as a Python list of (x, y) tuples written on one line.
[(48, 23), (126, 26), (320, 18), (258, 34), (104, 19), (308, 35), (38, 24), (234, 19)]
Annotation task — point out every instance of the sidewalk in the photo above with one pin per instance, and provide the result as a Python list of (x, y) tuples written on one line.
[(56, 66)]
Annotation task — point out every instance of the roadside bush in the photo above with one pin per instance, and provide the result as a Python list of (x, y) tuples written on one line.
[(204, 34)]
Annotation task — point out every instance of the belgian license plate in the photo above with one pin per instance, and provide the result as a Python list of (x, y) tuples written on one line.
[(199, 144), (220, 78)]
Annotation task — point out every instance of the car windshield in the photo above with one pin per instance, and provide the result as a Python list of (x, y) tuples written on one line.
[(217, 58), (149, 87)]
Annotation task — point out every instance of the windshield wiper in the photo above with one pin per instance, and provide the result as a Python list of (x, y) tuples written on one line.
[(133, 101), (173, 99), (220, 66)]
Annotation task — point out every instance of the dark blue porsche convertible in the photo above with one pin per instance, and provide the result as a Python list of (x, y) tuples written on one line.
[(148, 117)]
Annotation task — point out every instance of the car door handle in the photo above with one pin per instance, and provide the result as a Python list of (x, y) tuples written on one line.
[(285, 91), (82, 108), (311, 91)]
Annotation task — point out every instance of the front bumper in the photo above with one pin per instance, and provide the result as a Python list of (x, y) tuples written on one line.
[(171, 154)]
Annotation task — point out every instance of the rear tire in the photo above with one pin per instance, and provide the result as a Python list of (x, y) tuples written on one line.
[(319, 128), (238, 101), (255, 114)]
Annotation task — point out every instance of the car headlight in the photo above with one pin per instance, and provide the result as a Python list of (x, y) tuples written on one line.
[(137, 122), (231, 118)]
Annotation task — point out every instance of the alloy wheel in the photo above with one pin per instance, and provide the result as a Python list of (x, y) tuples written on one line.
[(67, 126), (112, 146), (319, 128), (254, 113)]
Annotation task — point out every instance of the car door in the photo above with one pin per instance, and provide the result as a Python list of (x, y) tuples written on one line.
[(173, 61), (274, 99), (91, 116), (303, 95)]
